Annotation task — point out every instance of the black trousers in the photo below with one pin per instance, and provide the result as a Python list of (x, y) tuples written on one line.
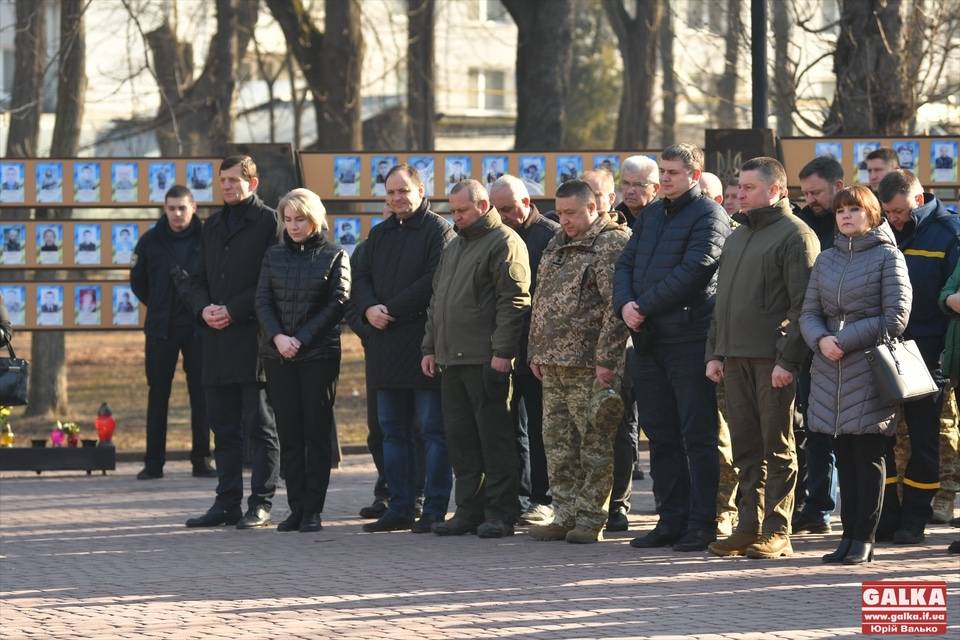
[(224, 409), (526, 407), (625, 453), (860, 466), (302, 395), (161, 356)]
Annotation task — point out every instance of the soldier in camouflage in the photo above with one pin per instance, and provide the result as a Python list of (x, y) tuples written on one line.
[(576, 348)]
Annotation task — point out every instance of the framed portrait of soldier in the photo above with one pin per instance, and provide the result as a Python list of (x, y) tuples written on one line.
[(908, 154), (379, 168), (568, 168), (126, 307), (943, 159), (346, 231), (86, 305), (86, 243), (860, 152), (49, 244), (123, 181), (533, 172), (829, 150), (346, 176), (123, 238), (11, 182), (493, 168), (86, 182), (608, 162), (425, 169), (49, 176), (14, 299), (160, 176), (455, 169), (14, 238), (200, 181), (50, 306)]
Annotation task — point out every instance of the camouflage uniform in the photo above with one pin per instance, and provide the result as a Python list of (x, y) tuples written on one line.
[(727, 490), (572, 331)]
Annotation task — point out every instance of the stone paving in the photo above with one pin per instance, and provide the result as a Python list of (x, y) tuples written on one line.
[(109, 557)]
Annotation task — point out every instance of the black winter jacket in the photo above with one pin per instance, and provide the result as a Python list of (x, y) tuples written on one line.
[(302, 293), (230, 258), (824, 226), (160, 256), (669, 266), (395, 268)]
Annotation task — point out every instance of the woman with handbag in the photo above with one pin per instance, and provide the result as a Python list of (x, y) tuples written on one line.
[(858, 292), (303, 288)]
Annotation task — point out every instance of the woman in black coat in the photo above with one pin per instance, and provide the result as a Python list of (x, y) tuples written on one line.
[(304, 285)]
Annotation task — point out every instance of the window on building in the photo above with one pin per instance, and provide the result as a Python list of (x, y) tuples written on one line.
[(489, 89), (487, 11)]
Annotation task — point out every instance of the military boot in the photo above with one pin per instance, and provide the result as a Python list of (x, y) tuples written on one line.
[(584, 535), (942, 509), (735, 545), (550, 532), (772, 545)]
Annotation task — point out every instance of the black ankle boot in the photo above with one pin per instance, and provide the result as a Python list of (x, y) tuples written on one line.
[(840, 553), (859, 553)]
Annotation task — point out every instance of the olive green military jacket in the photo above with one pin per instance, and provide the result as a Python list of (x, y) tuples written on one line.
[(573, 323)]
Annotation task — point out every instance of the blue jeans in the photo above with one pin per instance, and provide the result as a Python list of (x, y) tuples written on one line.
[(396, 409)]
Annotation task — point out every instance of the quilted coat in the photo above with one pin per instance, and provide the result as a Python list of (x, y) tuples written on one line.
[(857, 288)]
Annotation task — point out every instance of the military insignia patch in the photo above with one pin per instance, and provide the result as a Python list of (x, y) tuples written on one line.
[(518, 272)]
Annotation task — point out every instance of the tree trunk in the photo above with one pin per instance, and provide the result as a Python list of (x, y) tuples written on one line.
[(420, 74), (727, 83), (784, 81), (28, 63), (48, 373), (875, 94), (637, 39), (545, 30), (668, 119)]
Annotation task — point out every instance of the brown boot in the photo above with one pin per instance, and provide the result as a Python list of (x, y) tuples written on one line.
[(584, 535), (549, 532), (735, 545), (772, 545)]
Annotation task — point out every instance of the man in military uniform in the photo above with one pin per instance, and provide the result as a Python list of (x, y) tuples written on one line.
[(576, 349)]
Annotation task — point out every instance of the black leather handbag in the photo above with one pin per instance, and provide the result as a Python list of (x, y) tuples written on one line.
[(14, 373), (899, 370)]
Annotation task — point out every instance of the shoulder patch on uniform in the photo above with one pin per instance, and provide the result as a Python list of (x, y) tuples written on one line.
[(517, 271)]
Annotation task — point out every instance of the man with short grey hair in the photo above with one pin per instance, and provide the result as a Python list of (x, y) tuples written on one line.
[(472, 336), (511, 199), (640, 184)]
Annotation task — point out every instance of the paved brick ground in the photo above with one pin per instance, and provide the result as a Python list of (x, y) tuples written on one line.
[(108, 557)]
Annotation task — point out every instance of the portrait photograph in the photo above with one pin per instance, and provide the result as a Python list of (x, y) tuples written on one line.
[(86, 305), (425, 168), (610, 163), (200, 181), (455, 169), (908, 154), (161, 176), (86, 182), (123, 238), (379, 168), (943, 159), (860, 152), (123, 181), (126, 307), (533, 172), (346, 176), (493, 168), (14, 299), (568, 168), (49, 181), (14, 241), (50, 306), (50, 244), (11, 182), (346, 231), (86, 243), (829, 150)]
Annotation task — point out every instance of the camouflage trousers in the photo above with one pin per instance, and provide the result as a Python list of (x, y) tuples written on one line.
[(578, 436), (943, 501), (727, 491)]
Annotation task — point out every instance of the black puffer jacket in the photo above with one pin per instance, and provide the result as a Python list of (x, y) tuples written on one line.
[(302, 293)]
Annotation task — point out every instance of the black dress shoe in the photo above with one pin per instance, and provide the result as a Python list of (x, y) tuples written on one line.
[(658, 537), (292, 522), (954, 547), (204, 470), (859, 553), (147, 474), (617, 521), (425, 523), (310, 522), (255, 517), (494, 529), (455, 526), (697, 540), (374, 510), (215, 517), (389, 522), (810, 524), (840, 552), (908, 536)]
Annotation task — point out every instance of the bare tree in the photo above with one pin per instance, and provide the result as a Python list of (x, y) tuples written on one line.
[(420, 74), (269, 71), (727, 81), (668, 118), (543, 72), (784, 70), (331, 64), (637, 38), (29, 51)]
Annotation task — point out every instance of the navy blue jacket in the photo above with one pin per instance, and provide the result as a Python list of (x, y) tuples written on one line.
[(824, 226), (930, 240), (669, 266), (536, 233)]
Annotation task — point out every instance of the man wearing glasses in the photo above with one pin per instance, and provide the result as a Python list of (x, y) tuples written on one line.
[(640, 184)]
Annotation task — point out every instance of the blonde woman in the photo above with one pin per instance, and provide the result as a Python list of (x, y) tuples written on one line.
[(304, 285)]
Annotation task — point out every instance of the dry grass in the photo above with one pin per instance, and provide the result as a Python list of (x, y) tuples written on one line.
[(108, 366)]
